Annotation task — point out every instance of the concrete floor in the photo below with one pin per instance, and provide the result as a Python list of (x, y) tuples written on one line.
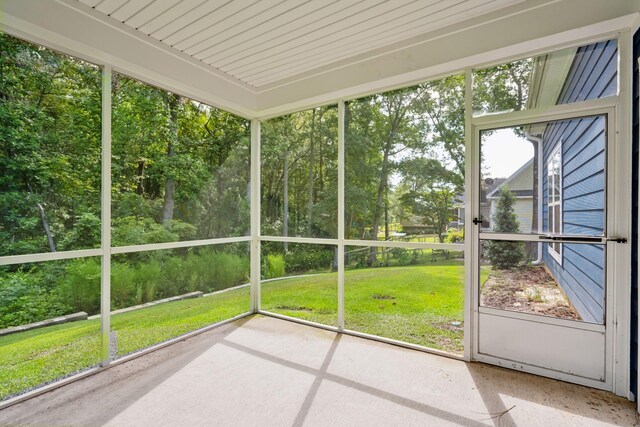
[(261, 371)]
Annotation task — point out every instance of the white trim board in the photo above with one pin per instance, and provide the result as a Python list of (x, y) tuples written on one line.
[(76, 29)]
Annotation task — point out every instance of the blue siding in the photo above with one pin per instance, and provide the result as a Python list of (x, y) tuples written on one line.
[(581, 273)]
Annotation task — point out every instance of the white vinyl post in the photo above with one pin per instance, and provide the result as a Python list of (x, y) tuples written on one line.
[(469, 212), (341, 212), (105, 232), (255, 216)]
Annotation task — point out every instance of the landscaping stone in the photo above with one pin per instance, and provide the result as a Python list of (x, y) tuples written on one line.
[(197, 294), (81, 315)]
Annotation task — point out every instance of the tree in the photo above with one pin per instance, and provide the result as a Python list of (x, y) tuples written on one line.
[(505, 254)]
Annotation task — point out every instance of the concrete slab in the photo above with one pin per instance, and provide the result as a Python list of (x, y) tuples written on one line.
[(262, 371)]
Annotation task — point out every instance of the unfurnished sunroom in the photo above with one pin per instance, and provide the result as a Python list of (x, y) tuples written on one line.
[(457, 178)]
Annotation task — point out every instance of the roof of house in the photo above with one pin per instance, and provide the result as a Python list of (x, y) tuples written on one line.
[(526, 192)]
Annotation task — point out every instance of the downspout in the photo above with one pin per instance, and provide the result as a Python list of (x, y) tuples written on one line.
[(538, 142)]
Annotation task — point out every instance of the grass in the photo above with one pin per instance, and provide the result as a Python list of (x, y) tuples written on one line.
[(416, 304), (34, 358)]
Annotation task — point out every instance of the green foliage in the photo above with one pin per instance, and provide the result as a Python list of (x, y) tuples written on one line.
[(81, 285), (401, 255), (131, 230), (505, 254), (84, 234), (454, 235), (275, 266), (24, 298), (304, 258), (305, 145), (123, 286)]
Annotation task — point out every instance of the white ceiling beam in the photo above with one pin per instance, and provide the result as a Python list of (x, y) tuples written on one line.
[(534, 26), (74, 28)]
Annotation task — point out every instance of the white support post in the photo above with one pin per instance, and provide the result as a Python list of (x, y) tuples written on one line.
[(105, 232), (341, 212), (255, 216), (469, 231), (619, 215)]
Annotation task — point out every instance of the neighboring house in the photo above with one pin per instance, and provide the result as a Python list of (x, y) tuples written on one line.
[(572, 162), (488, 186), (520, 183)]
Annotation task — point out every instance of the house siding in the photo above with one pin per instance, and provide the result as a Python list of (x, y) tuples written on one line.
[(581, 273)]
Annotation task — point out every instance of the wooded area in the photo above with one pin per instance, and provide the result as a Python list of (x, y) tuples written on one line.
[(181, 170)]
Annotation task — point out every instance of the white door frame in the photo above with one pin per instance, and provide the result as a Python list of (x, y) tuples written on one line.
[(617, 298)]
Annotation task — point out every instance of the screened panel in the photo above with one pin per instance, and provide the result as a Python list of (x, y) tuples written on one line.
[(48, 324), (411, 295), (404, 171), (300, 280), (299, 181), (180, 168), (159, 295), (546, 178), (561, 77), (50, 132), (523, 277)]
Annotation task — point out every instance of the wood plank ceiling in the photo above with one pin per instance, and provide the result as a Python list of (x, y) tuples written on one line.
[(264, 43)]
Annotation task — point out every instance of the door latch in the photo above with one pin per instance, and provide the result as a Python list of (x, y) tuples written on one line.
[(477, 221), (617, 239)]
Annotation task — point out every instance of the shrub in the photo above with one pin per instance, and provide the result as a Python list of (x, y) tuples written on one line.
[(148, 276), (84, 234), (183, 230), (139, 231), (24, 298), (505, 254), (123, 286), (275, 266), (403, 256), (306, 258), (81, 285), (454, 236), (228, 270)]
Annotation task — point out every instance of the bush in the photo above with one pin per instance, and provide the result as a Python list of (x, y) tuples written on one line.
[(139, 231), (147, 278), (303, 258), (454, 236), (81, 285), (505, 254), (403, 256), (85, 233), (275, 266), (228, 270), (24, 298), (123, 286)]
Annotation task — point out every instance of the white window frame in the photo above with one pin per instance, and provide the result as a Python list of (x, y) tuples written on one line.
[(555, 156)]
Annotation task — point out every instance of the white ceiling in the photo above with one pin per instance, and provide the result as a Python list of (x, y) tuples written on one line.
[(264, 43)]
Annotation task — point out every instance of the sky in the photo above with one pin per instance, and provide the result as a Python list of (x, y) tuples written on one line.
[(503, 153)]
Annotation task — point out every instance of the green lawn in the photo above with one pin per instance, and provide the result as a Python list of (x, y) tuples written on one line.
[(416, 304), (34, 358)]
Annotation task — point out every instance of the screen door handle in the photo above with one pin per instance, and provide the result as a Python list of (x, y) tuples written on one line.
[(572, 239)]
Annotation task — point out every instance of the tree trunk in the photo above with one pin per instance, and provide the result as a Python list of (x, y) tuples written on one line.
[(311, 165), (382, 185), (47, 229), (285, 213), (140, 177), (173, 101)]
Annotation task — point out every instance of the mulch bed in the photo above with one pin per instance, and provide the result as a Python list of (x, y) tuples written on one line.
[(526, 290)]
